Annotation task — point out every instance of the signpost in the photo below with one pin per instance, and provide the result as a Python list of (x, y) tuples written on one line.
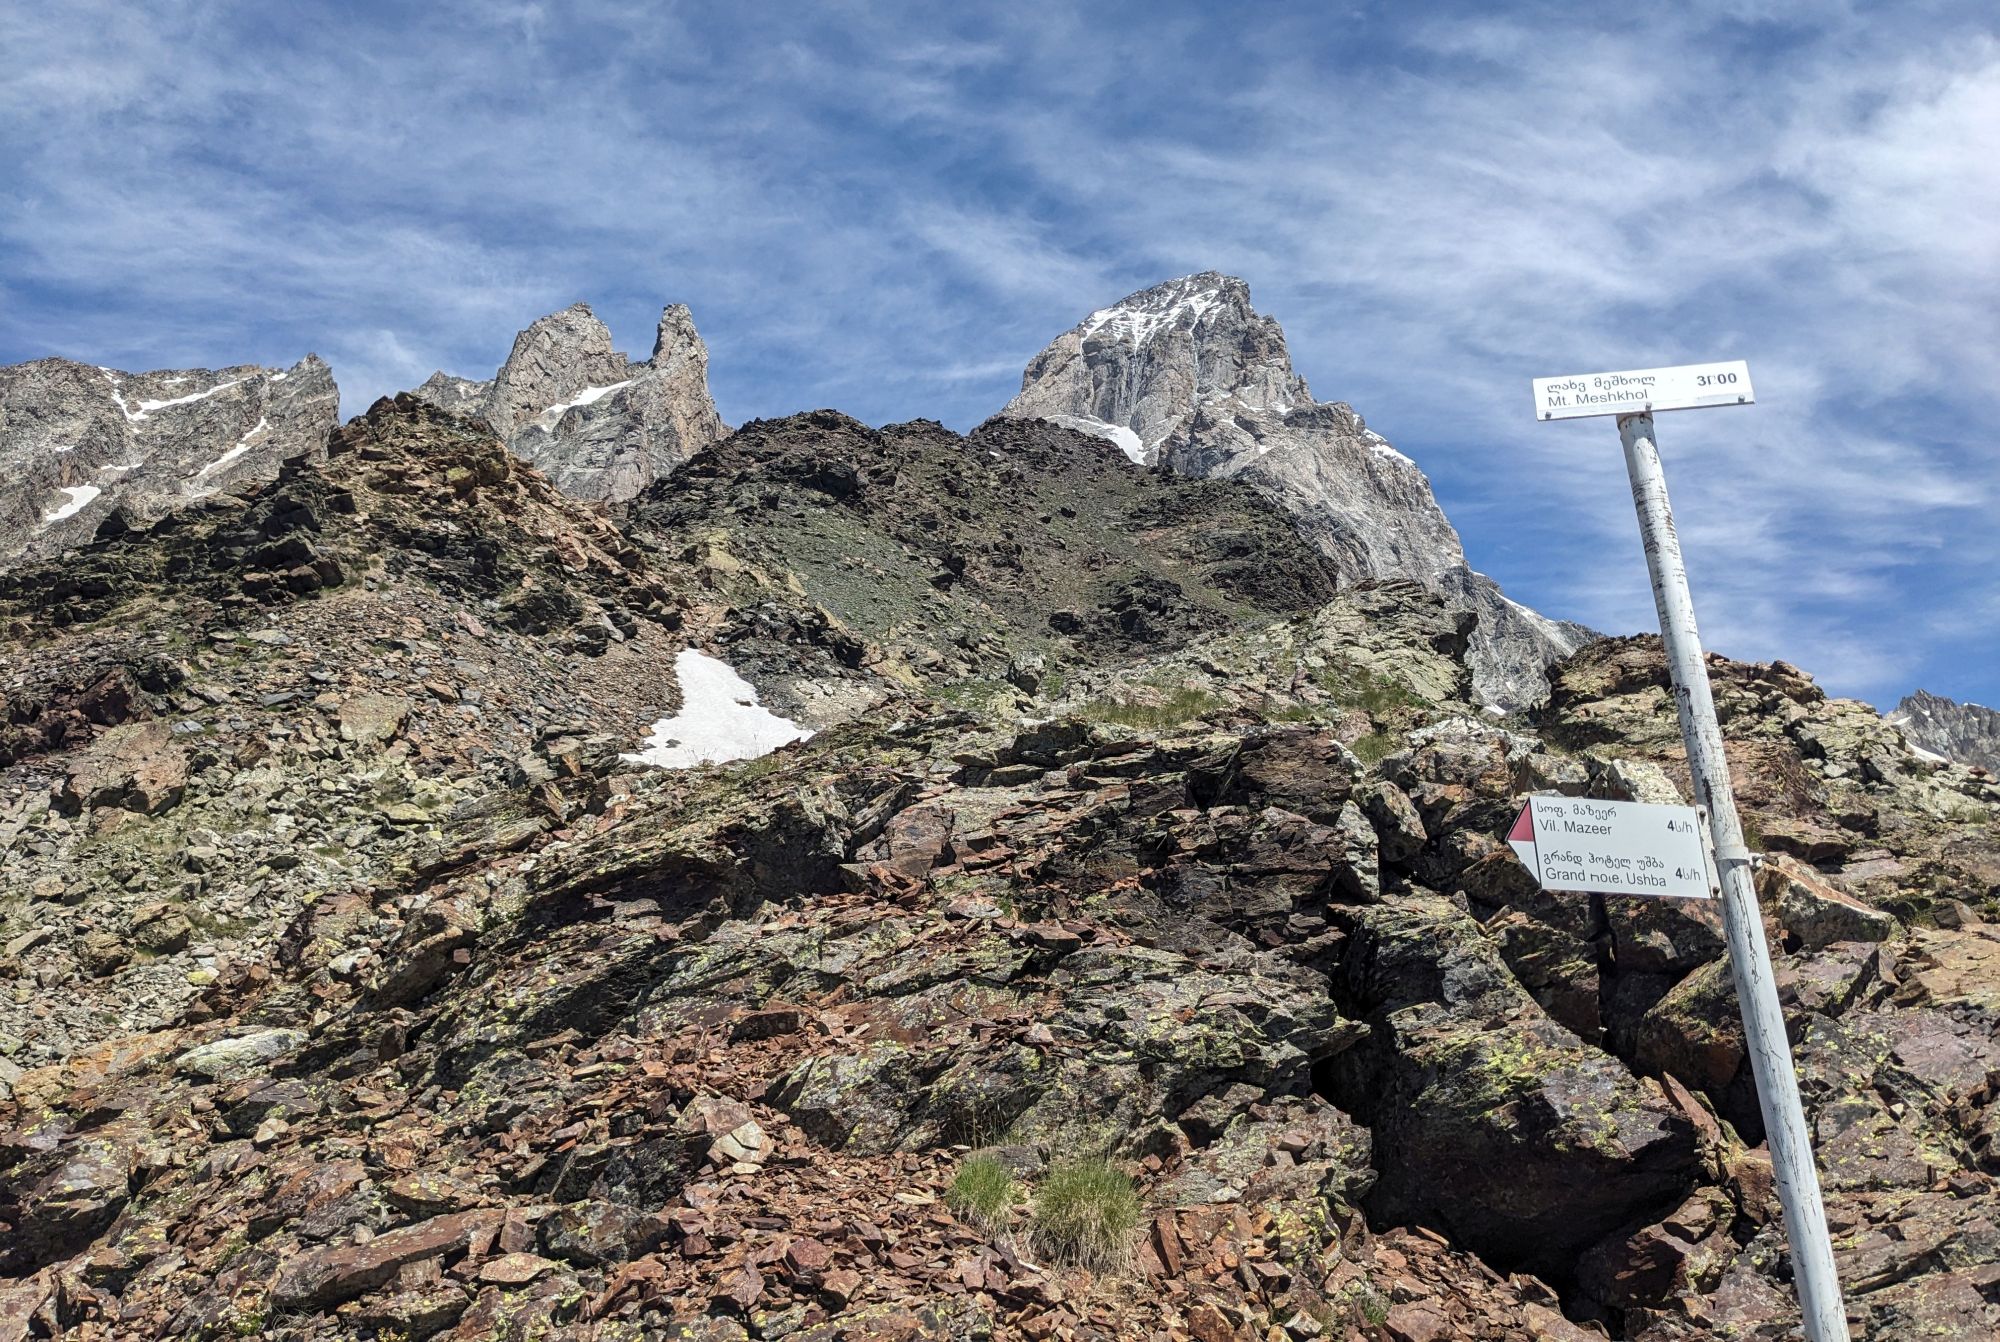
[(1634, 398), (1643, 390), (1613, 847)]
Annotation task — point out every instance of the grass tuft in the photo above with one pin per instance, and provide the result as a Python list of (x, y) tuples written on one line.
[(1373, 748), (1176, 707), (983, 1192), (1084, 1213)]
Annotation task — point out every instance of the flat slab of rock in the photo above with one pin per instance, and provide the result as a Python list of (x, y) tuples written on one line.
[(326, 1277), (138, 767), (229, 1059), (373, 719)]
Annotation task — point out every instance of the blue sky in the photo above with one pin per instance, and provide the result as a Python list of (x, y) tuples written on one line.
[(889, 208)]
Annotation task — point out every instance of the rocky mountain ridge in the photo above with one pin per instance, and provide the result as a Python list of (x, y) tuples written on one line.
[(1185, 375), (80, 444), (357, 984), (1968, 733), (1189, 376)]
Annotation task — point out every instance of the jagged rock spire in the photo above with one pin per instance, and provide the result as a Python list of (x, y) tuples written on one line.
[(600, 426)]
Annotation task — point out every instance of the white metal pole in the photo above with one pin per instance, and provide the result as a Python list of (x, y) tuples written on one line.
[(1756, 990)]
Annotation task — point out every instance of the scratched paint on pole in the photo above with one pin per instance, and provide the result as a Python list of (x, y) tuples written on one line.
[(1613, 847), (1643, 390)]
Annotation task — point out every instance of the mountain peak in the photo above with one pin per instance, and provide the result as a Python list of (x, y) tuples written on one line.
[(1188, 375), (79, 442), (1143, 363), (1186, 301), (1968, 733), (601, 426)]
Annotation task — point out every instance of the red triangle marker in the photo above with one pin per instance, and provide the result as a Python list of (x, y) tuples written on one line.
[(1521, 838)]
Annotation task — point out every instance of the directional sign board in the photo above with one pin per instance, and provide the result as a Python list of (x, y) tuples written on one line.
[(1613, 847), (1642, 390)]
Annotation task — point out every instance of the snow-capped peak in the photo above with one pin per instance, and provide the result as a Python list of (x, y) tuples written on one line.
[(1181, 303)]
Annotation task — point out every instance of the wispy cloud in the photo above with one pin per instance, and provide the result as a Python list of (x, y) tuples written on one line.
[(888, 207)]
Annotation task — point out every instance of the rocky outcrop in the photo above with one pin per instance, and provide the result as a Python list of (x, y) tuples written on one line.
[(1968, 733), (597, 424), (82, 445), (1187, 375)]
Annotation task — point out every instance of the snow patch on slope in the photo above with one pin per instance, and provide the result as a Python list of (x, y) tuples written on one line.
[(720, 719), (1128, 441), (243, 444), (80, 497), (1380, 447), (148, 407), (550, 417)]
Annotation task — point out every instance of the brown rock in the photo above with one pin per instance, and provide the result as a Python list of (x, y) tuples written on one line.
[(839, 1286), (513, 1269), (1547, 1325), (806, 1256), (1816, 914), (770, 1023), (745, 1287), (325, 1277), (1415, 1323), (101, 953), (1207, 1324), (914, 841), (138, 767), (161, 929)]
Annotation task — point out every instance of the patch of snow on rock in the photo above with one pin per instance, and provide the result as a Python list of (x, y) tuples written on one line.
[(720, 719), (550, 417), (1127, 441), (243, 444), (148, 407), (1380, 447), (80, 497)]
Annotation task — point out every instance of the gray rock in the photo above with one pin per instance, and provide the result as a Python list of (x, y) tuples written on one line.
[(1489, 1119), (597, 424), (80, 443), (373, 719), (1186, 375), (230, 1059)]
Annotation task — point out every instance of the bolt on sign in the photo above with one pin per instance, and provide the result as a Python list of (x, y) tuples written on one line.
[(1614, 847)]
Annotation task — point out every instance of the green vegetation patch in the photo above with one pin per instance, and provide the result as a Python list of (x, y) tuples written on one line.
[(1084, 1213), (984, 1193), (1173, 708), (1374, 748)]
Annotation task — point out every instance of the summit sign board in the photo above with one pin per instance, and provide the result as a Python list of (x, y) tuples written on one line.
[(1613, 847), (1643, 390)]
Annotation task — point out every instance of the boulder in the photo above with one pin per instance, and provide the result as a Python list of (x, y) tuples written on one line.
[(1489, 1120), (1814, 913), (138, 767), (322, 1278), (83, 1187), (231, 1059), (369, 720)]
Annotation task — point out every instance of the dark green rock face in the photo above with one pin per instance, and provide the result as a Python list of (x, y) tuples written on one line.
[(355, 982)]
